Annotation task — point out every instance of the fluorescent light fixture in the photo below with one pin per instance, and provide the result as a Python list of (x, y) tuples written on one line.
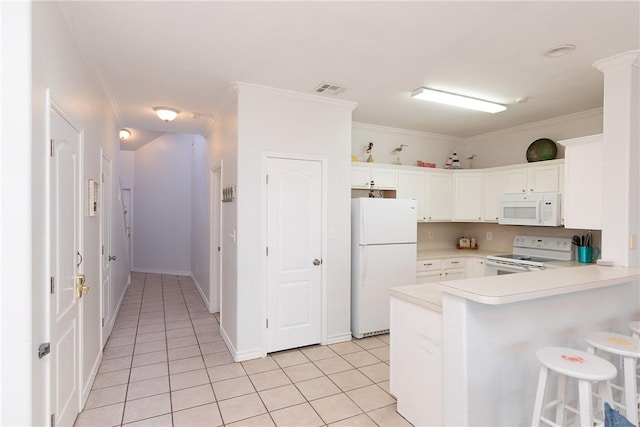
[(457, 100), (165, 113), (125, 133)]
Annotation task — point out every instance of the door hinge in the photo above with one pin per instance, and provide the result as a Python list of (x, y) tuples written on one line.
[(267, 250), (51, 145), (44, 349), (103, 322), (266, 177), (102, 249), (52, 285), (53, 420), (218, 248), (267, 323)]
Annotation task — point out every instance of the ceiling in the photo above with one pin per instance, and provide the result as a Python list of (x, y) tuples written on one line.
[(185, 54)]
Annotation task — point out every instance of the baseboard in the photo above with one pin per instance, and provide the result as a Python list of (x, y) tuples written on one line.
[(89, 385), (167, 272), (117, 310), (199, 288), (334, 339), (248, 355)]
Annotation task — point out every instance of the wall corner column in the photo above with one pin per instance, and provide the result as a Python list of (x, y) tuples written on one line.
[(621, 158)]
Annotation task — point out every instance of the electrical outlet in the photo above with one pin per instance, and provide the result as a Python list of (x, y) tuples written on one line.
[(489, 235), (431, 235)]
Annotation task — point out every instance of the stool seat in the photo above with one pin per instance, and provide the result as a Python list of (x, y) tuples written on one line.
[(585, 368), (635, 327), (621, 345), (577, 364)]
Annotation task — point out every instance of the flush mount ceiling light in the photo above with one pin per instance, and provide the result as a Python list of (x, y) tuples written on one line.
[(561, 50), (165, 113), (125, 133), (457, 100)]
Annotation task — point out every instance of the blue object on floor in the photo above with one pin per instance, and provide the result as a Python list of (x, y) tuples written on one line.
[(613, 418)]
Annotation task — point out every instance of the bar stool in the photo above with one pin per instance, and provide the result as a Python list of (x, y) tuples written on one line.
[(628, 348), (635, 328), (584, 367)]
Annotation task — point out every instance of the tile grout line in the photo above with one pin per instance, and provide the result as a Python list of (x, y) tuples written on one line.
[(166, 347)]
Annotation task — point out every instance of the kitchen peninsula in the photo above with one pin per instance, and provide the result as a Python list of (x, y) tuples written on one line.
[(463, 351)]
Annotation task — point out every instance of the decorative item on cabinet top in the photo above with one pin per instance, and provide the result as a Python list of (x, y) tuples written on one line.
[(370, 152), (542, 149)]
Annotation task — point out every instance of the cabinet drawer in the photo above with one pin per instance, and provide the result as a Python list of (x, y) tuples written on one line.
[(429, 264), (453, 263)]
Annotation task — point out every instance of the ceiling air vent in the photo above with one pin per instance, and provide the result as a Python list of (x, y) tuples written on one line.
[(329, 89)]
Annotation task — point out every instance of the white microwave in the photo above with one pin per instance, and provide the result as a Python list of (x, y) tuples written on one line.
[(538, 209)]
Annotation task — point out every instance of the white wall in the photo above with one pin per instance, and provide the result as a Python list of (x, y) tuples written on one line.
[(38, 54), (428, 147), (223, 149), (271, 120), (509, 146), (162, 206), (200, 170), (127, 168), (16, 343)]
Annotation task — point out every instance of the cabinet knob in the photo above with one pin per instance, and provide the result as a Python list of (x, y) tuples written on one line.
[(524, 191), (479, 218), (532, 190)]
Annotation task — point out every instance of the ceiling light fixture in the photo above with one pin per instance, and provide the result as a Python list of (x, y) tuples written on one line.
[(125, 133), (165, 113), (457, 100), (561, 50)]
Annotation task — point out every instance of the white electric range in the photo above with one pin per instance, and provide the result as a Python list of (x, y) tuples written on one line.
[(530, 253)]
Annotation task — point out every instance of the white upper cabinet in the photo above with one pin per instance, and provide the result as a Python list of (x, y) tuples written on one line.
[(411, 185), (583, 182), (468, 197), (439, 200), (385, 179), (531, 178), (492, 190)]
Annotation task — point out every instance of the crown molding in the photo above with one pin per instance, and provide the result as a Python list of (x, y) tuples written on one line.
[(624, 59), (240, 86), (380, 128), (547, 122)]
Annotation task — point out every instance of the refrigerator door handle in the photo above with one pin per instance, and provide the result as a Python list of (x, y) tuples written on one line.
[(364, 265), (364, 228)]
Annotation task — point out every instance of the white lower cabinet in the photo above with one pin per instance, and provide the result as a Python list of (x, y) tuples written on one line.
[(438, 270), (476, 267), (416, 370)]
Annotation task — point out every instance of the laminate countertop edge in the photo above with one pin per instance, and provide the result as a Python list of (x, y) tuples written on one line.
[(497, 290)]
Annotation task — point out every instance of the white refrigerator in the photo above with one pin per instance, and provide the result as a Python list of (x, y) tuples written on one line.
[(383, 255)]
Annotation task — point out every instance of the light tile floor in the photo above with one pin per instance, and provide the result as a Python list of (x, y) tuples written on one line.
[(166, 364)]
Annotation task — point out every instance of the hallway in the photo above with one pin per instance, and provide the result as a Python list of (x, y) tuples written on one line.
[(166, 364)]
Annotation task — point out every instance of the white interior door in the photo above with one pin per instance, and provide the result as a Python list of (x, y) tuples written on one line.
[(65, 266), (105, 250), (294, 269), (215, 247)]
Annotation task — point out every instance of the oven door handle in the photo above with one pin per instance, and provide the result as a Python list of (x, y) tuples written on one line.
[(507, 266)]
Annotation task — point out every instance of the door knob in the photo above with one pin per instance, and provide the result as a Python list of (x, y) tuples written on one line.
[(112, 257), (317, 262), (81, 288)]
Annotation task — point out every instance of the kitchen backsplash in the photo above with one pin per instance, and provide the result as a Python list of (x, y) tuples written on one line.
[(446, 235)]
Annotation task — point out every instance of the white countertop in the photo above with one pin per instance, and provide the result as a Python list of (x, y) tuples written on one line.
[(495, 290), (426, 295), (510, 288)]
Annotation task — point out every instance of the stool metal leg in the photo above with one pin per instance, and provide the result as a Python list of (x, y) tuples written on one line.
[(537, 406)]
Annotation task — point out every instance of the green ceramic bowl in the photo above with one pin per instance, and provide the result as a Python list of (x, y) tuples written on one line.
[(542, 149)]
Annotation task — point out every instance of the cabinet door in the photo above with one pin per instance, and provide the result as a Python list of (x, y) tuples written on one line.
[(514, 181), (492, 191), (386, 179), (360, 176), (428, 277), (411, 185), (453, 274), (439, 201), (583, 183), (543, 179), (475, 267), (468, 197)]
